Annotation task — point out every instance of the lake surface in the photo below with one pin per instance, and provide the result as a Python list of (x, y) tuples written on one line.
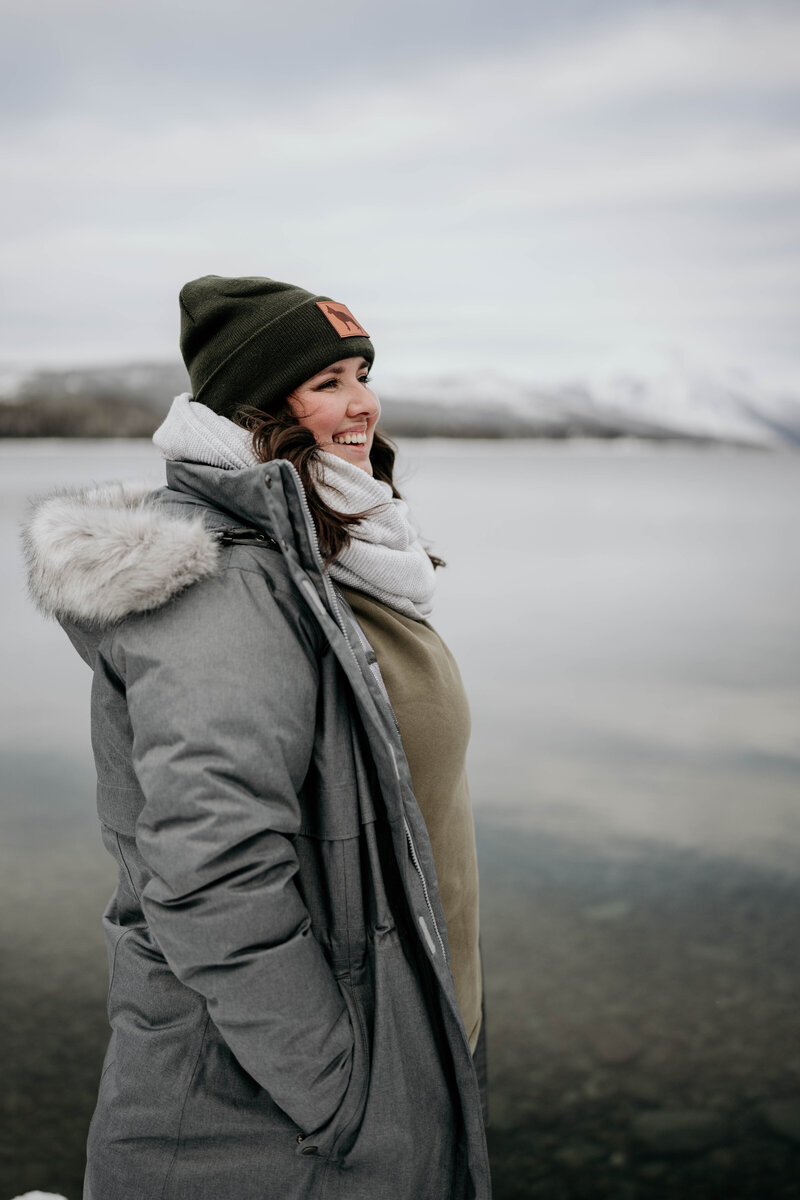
[(627, 622)]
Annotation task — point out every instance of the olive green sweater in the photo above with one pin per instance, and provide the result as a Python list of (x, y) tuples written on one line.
[(431, 708)]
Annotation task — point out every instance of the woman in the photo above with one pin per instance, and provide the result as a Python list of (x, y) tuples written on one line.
[(290, 1018)]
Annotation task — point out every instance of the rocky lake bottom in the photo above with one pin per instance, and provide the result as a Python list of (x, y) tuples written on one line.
[(646, 1043), (642, 1019)]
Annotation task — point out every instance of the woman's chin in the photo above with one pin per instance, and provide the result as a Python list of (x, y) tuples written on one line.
[(357, 455)]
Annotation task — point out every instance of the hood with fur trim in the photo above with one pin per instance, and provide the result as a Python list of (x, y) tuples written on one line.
[(98, 555), (102, 553)]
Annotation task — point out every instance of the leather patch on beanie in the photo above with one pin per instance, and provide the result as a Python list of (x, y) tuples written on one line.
[(341, 319)]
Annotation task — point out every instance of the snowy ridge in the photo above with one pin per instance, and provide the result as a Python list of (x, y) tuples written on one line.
[(676, 404)]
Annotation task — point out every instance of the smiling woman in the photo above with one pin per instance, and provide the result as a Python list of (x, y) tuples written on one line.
[(280, 736)]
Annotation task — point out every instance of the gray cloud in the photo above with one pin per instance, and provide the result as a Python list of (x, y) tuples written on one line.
[(568, 188), (130, 59)]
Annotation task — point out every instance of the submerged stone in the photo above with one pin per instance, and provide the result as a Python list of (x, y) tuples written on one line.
[(678, 1131), (783, 1118)]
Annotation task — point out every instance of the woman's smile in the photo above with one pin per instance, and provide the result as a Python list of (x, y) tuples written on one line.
[(357, 438)]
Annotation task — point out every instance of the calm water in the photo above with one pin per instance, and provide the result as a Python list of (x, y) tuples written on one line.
[(627, 622)]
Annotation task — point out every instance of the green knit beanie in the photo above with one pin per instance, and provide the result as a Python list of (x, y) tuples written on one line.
[(252, 341)]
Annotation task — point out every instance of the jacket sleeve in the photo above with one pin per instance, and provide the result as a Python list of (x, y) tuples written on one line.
[(221, 693)]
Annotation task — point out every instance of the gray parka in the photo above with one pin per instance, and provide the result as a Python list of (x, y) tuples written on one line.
[(284, 1021)]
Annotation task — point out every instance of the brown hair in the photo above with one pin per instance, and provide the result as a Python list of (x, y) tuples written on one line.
[(280, 435)]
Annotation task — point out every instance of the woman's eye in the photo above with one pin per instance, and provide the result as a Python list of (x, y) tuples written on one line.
[(366, 378)]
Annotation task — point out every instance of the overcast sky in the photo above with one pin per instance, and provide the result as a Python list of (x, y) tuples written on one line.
[(556, 190)]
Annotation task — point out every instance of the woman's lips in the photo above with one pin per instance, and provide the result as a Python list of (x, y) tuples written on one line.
[(350, 439)]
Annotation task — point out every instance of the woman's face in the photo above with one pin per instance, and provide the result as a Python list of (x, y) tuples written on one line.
[(340, 410)]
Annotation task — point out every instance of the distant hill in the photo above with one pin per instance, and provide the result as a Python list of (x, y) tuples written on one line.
[(130, 400)]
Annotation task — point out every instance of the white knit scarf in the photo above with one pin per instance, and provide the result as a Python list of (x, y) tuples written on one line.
[(385, 557)]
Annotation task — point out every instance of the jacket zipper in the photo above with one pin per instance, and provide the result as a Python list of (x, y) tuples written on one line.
[(330, 592), (311, 530), (376, 672), (416, 863)]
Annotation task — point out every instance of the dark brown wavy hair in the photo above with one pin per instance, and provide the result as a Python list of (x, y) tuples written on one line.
[(280, 435)]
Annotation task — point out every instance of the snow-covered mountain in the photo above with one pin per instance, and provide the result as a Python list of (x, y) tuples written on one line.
[(677, 404)]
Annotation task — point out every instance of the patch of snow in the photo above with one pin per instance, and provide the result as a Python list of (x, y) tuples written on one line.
[(40, 1196), (12, 380)]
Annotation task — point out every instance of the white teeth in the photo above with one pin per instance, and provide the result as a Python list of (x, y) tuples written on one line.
[(351, 439)]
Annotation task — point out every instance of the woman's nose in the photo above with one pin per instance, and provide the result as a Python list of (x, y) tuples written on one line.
[(363, 401)]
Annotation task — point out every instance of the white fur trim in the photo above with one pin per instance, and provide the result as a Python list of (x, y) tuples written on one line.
[(103, 553)]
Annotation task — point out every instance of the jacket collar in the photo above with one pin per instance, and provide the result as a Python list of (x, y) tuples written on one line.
[(268, 497)]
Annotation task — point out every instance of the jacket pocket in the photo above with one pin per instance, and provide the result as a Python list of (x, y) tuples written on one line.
[(334, 1138), (115, 936), (403, 1141)]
